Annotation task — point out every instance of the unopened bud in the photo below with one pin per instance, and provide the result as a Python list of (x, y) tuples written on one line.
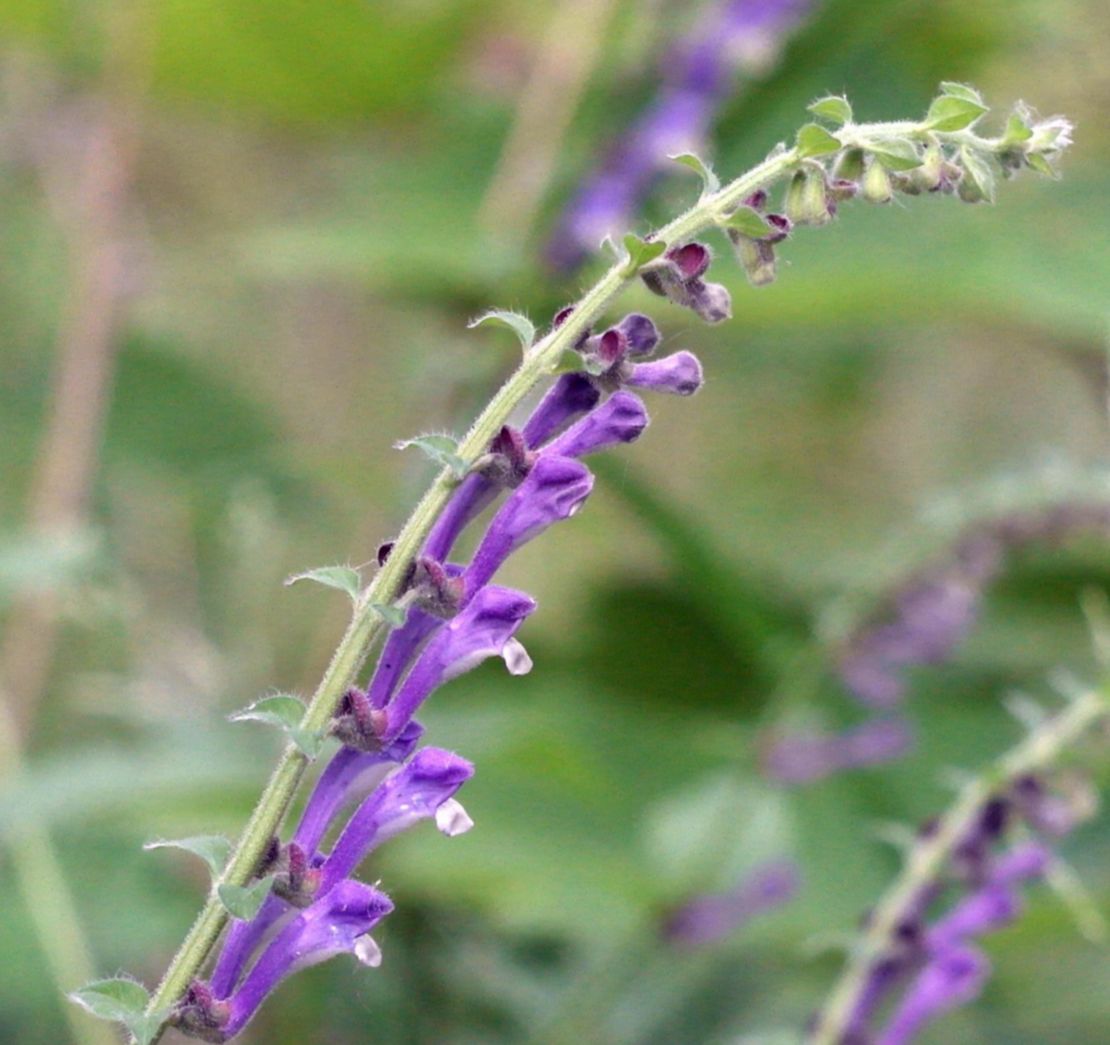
[(876, 187), (929, 175), (849, 165), (807, 199), (756, 257)]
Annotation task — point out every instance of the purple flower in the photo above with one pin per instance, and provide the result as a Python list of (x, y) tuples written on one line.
[(952, 978), (801, 758), (713, 916), (620, 419), (554, 490), (421, 789), (484, 628), (677, 276), (338, 923), (679, 374)]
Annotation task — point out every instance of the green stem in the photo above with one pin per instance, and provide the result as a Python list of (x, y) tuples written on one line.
[(927, 859)]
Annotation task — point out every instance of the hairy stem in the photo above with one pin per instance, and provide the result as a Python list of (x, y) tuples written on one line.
[(928, 858)]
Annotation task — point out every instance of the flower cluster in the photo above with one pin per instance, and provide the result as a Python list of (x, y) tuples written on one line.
[(929, 963), (698, 75), (378, 783)]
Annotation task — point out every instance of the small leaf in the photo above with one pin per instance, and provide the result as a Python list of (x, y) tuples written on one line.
[(961, 90), (286, 712), (748, 222), (570, 362), (950, 113), (814, 140), (710, 182), (118, 999), (640, 252), (440, 449), (243, 901), (212, 849), (345, 578), (978, 176), (520, 325), (280, 709), (1040, 165), (394, 616), (1017, 130), (896, 154), (144, 1028), (834, 108)]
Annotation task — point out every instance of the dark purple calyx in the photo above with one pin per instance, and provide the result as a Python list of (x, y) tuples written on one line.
[(508, 460), (357, 723), (199, 1014)]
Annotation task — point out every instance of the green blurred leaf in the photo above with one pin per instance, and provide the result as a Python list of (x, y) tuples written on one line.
[(950, 113), (243, 901), (640, 253), (440, 449), (212, 849), (710, 182), (815, 140), (286, 712), (962, 92), (748, 222), (122, 1001), (896, 154), (394, 616), (522, 326), (342, 578), (834, 107)]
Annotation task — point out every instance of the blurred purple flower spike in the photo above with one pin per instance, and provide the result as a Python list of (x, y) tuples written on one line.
[(952, 978), (699, 74), (802, 758)]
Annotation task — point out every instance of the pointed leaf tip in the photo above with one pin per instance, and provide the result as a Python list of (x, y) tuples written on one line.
[(834, 108), (815, 140), (121, 1000), (952, 113), (520, 325), (710, 182), (244, 901), (212, 849), (343, 578), (442, 450), (639, 252)]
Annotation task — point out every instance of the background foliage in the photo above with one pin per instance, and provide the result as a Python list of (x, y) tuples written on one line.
[(304, 242)]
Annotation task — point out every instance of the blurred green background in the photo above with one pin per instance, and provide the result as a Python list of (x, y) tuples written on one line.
[(241, 241)]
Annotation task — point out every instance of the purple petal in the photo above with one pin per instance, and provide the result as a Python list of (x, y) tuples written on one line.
[(620, 419), (679, 374), (949, 980), (570, 397), (983, 911), (554, 490), (640, 332), (482, 629), (1028, 860), (334, 924), (413, 793)]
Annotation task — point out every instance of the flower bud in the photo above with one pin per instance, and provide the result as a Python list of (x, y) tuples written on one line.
[(849, 165), (807, 198), (876, 187), (756, 257)]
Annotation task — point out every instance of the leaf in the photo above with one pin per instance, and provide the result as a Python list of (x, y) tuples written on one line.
[(977, 171), (570, 362), (344, 578), (394, 616), (212, 849), (118, 999), (286, 712), (960, 90), (640, 252), (710, 182), (748, 222), (243, 901), (441, 449), (834, 107), (951, 113), (1017, 130), (1040, 165), (520, 325), (896, 154), (814, 140)]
